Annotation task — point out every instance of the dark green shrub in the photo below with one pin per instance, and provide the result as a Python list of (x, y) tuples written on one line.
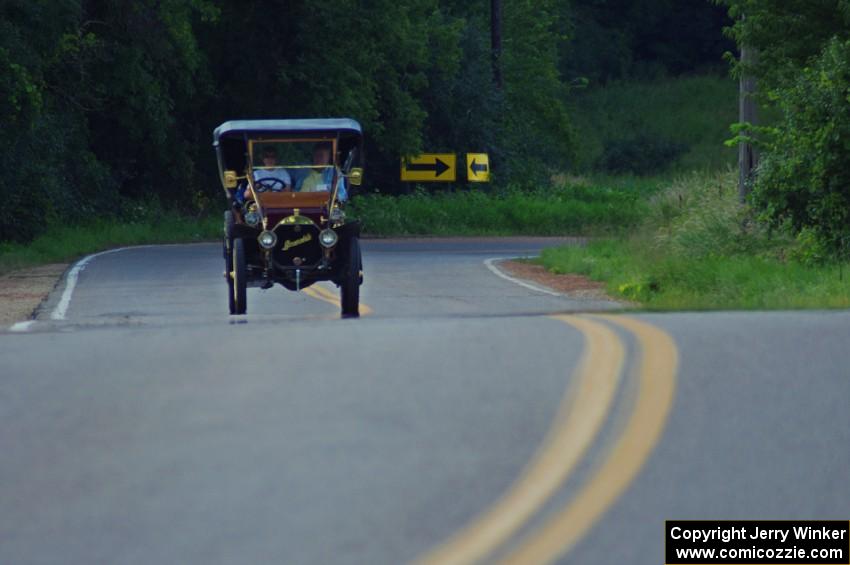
[(804, 178)]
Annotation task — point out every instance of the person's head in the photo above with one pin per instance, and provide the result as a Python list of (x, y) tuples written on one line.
[(269, 156), (322, 153)]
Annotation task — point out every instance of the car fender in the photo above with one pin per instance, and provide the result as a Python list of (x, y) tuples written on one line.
[(348, 229), (244, 231)]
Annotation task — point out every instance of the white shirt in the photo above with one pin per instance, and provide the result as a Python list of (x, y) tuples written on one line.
[(278, 173)]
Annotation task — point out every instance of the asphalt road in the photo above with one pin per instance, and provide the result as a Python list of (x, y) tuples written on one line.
[(466, 417)]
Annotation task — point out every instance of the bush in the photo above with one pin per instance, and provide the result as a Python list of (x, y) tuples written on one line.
[(804, 177)]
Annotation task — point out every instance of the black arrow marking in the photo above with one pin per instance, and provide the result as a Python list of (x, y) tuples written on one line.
[(476, 168), (438, 167)]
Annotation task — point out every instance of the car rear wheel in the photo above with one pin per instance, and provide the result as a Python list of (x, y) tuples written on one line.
[(239, 277), (228, 234), (349, 290), (227, 250)]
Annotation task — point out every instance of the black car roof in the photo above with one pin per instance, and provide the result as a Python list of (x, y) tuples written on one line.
[(257, 127)]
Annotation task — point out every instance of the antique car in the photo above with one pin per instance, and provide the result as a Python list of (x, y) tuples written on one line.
[(286, 183)]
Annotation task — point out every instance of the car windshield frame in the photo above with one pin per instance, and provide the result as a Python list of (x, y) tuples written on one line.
[(265, 141)]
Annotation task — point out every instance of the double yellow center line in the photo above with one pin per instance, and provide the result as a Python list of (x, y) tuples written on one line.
[(321, 293), (584, 410), (582, 413)]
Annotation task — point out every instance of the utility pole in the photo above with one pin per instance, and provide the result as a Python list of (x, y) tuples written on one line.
[(496, 41), (747, 113)]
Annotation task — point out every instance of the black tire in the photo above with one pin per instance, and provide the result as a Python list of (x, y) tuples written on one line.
[(231, 298), (228, 235), (240, 278), (349, 289), (227, 250)]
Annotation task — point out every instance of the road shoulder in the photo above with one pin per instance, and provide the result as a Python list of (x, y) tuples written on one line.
[(22, 291)]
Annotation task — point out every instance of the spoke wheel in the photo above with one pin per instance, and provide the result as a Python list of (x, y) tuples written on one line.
[(227, 249), (349, 290), (239, 278)]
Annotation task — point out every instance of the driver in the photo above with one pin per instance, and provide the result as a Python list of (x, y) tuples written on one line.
[(278, 178), (320, 177)]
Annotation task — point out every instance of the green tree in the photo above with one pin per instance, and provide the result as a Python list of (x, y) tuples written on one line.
[(623, 39), (803, 52), (804, 178), (111, 102)]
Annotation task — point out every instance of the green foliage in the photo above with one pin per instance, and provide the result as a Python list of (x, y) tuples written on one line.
[(93, 91), (536, 127), (109, 101), (786, 34), (810, 249), (646, 40), (568, 210), (804, 178), (416, 74), (20, 97)]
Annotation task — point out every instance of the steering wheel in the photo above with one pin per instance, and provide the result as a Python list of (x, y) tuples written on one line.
[(269, 184)]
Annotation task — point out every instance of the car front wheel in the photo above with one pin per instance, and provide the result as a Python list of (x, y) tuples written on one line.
[(349, 290)]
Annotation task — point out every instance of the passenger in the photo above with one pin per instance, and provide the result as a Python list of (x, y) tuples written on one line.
[(320, 177)]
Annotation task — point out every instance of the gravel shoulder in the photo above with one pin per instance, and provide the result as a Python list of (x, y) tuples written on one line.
[(22, 291), (575, 286)]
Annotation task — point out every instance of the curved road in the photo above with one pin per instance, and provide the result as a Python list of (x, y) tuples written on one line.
[(466, 418)]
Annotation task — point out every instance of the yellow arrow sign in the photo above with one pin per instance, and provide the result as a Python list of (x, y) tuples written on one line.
[(430, 167), (478, 167)]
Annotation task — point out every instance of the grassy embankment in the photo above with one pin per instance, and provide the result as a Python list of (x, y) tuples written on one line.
[(695, 247), (64, 243)]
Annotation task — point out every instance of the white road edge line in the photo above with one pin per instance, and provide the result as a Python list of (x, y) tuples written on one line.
[(21, 326), (491, 264), (61, 308)]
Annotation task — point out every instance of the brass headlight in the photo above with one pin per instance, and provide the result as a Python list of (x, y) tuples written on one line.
[(267, 239), (328, 238), (252, 218)]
